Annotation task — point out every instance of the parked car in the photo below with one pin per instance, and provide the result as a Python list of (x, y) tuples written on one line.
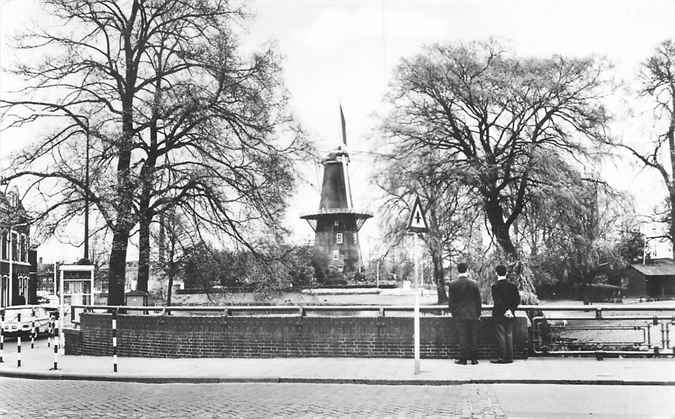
[(19, 320)]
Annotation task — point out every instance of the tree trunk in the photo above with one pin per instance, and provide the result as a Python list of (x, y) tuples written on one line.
[(124, 221), (437, 260), (144, 221), (117, 268), (145, 213), (499, 228), (143, 250), (170, 285), (518, 271)]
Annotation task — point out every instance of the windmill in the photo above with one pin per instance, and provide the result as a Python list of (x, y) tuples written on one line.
[(337, 223)]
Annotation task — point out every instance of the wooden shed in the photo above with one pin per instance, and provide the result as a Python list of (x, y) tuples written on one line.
[(653, 280)]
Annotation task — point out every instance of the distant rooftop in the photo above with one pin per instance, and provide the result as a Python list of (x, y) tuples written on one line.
[(657, 268)]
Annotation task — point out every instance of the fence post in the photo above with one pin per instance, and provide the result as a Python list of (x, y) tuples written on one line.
[(2, 334), (114, 339)]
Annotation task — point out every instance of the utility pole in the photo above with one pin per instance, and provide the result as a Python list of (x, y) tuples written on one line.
[(86, 194)]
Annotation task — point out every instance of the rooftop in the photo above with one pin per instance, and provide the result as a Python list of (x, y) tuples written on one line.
[(658, 268)]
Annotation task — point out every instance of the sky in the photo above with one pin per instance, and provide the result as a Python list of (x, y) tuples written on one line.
[(345, 51)]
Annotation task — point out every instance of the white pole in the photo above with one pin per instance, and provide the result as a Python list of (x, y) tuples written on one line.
[(61, 314), (11, 263), (417, 308), (56, 288)]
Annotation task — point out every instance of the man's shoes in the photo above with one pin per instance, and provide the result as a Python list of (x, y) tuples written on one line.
[(500, 361), (474, 362), (460, 361)]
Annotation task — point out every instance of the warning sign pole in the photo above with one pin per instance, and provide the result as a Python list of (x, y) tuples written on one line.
[(416, 326), (417, 224)]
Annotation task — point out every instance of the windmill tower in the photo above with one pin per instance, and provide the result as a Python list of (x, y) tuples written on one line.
[(337, 223)]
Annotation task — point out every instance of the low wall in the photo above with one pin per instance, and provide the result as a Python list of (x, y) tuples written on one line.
[(278, 336)]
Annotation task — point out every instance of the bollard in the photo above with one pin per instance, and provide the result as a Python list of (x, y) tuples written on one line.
[(56, 354), (18, 341), (2, 335), (32, 331), (18, 351), (114, 339), (50, 330)]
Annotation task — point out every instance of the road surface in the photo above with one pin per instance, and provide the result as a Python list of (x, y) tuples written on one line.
[(75, 399)]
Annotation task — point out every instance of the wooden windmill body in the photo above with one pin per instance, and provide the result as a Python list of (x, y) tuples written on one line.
[(337, 223)]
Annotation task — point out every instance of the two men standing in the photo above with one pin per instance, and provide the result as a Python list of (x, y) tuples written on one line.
[(465, 305)]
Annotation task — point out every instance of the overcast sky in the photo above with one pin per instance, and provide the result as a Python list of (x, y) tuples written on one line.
[(344, 51)]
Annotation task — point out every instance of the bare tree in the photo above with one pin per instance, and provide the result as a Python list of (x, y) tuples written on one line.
[(175, 119), (658, 83), (492, 114), (449, 210)]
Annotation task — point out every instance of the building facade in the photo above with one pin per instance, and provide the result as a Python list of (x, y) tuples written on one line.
[(17, 259)]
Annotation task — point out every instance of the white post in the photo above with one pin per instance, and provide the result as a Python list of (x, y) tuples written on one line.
[(56, 288), (417, 306), (11, 263), (61, 314)]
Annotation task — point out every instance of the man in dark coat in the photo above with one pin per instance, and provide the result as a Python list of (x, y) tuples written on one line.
[(465, 305), (505, 298)]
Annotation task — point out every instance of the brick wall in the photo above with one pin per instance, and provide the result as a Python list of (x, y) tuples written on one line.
[(278, 336), (73, 341)]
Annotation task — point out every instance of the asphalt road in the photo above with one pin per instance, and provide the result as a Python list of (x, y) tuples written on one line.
[(75, 399)]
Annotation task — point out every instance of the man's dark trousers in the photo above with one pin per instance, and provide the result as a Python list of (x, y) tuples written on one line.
[(504, 327), (467, 334)]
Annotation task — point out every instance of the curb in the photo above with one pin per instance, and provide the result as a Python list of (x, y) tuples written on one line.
[(314, 380)]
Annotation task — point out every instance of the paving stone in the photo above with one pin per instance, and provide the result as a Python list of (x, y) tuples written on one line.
[(23, 398)]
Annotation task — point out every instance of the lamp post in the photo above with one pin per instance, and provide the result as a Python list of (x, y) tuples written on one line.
[(86, 190)]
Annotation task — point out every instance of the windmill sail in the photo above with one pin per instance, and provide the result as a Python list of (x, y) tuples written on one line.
[(344, 129)]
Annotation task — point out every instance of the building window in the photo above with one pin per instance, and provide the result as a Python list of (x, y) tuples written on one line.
[(15, 248), (338, 238), (23, 286), (24, 248), (4, 246)]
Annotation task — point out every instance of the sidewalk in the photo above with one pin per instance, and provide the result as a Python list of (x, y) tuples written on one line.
[(635, 371)]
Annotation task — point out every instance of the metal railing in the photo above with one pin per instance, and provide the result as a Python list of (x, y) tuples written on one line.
[(609, 331), (552, 328)]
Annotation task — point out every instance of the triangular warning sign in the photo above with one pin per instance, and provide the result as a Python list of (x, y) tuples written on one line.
[(418, 221)]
